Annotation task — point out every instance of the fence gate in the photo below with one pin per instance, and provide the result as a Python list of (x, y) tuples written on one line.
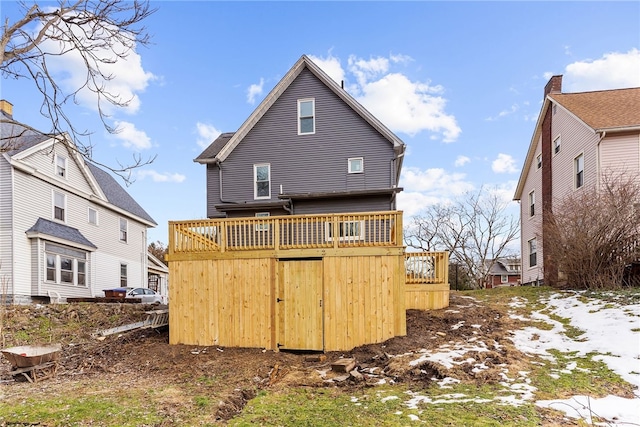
[(299, 305)]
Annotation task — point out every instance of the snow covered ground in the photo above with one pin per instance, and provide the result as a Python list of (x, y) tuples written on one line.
[(611, 334)]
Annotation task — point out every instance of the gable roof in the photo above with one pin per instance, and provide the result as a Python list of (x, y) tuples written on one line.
[(218, 152), (116, 195), (605, 111), (27, 139)]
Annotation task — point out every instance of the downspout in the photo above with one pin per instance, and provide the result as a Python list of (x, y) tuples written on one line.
[(219, 164), (394, 178), (603, 134)]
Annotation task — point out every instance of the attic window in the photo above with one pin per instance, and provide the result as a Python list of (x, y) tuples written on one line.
[(306, 116), (61, 166), (539, 161)]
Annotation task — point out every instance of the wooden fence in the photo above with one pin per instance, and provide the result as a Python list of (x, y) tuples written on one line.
[(315, 282)]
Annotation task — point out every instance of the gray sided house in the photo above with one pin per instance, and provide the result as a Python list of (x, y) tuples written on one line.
[(309, 147), (67, 228)]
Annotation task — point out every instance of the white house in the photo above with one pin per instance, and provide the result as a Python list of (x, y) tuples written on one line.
[(66, 226)]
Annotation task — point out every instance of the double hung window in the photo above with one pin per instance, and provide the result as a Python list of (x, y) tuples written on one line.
[(123, 230), (306, 116), (579, 170), (59, 205), (532, 203), (533, 253), (61, 166), (262, 181)]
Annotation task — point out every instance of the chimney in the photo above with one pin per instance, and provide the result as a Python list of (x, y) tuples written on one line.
[(553, 86), (6, 108)]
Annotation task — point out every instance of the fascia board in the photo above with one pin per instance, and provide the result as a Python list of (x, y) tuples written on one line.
[(286, 81), (528, 161)]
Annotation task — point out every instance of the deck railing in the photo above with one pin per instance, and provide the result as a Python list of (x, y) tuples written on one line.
[(299, 232), (427, 267), (287, 232)]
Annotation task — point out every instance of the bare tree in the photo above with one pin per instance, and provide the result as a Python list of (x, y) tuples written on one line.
[(475, 229), (158, 249), (593, 234), (100, 33)]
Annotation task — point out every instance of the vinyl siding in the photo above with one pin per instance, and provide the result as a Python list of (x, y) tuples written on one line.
[(577, 139), (342, 205), (530, 225), (6, 209), (44, 162), (305, 163), (33, 199), (620, 155)]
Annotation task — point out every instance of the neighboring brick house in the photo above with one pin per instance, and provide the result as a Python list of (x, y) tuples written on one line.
[(579, 139), (67, 228), (503, 272)]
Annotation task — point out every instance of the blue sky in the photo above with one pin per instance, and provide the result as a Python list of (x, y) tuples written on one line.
[(461, 83)]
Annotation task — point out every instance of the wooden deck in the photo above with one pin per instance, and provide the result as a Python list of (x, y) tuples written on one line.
[(314, 282)]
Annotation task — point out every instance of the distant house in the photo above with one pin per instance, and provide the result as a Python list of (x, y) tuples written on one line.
[(158, 275), (303, 248), (579, 138), (503, 272), (308, 148), (67, 228)]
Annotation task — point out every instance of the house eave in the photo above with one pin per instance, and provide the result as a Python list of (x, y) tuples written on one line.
[(340, 194), (269, 204)]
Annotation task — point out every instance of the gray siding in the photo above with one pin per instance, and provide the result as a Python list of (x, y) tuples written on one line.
[(306, 163)]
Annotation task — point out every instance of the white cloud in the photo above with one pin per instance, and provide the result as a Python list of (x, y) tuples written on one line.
[(131, 137), (613, 71), (430, 186), (160, 177), (401, 104), (461, 161), (331, 66), (504, 163), (504, 113), (254, 91), (126, 75), (206, 134)]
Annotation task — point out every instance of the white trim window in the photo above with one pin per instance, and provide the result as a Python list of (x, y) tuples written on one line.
[(356, 165), (262, 226), (539, 160), (556, 145), (65, 265), (532, 203), (533, 253), (123, 275), (306, 116), (262, 181), (59, 206), (347, 230), (124, 230), (578, 167), (92, 216), (61, 166), (504, 278)]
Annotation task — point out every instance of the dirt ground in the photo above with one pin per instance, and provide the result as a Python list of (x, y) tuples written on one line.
[(145, 359)]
